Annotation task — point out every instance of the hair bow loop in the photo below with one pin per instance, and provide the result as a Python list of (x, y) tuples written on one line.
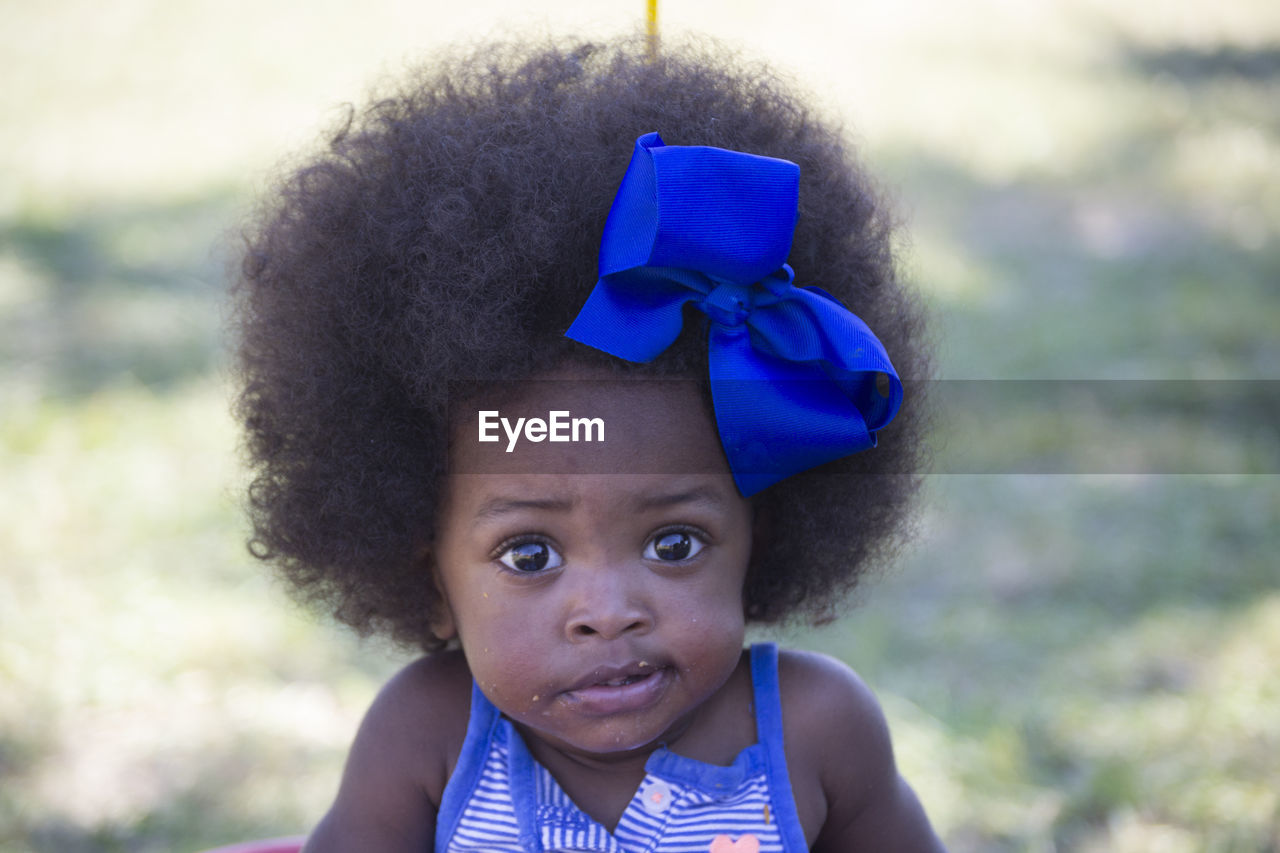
[(693, 224)]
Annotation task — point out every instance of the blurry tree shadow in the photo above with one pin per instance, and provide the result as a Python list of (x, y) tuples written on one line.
[(1194, 65), (117, 292), (1101, 277), (1102, 287)]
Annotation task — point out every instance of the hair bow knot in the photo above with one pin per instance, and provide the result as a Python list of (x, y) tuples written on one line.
[(793, 372), (729, 304)]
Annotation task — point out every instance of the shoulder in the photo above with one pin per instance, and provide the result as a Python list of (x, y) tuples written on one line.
[(836, 735), (401, 760), (818, 688), (840, 760), (421, 716)]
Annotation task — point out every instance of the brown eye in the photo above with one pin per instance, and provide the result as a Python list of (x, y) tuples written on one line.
[(673, 547), (530, 557)]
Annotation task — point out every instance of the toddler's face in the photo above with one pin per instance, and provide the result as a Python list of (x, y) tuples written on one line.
[(596, 587)]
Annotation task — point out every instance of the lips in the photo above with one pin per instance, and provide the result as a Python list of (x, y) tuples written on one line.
[(621, 689), (614, 675)]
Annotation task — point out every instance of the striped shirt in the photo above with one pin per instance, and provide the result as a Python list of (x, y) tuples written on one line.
[(500, 799)]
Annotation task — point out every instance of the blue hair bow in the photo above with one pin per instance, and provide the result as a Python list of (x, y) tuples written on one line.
[(793, 372)]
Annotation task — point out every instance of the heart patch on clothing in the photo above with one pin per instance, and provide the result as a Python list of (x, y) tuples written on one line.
[(745, 844)]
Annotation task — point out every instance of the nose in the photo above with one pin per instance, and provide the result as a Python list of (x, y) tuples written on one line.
[(605, 606)]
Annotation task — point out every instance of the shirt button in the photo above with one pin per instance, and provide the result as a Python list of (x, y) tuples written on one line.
[(657, 797)]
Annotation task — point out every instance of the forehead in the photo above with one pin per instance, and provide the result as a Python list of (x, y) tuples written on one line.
[(587, 427)]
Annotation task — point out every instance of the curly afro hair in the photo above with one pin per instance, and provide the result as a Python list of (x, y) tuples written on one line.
[(450, 230)]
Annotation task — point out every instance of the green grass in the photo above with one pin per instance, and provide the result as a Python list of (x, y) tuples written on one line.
[(1076, 661), (1104, 669)]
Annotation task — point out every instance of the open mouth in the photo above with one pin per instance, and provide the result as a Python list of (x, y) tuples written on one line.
[(624, 681), (619, 691)]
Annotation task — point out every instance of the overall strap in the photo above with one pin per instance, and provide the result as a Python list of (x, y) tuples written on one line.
[(466, 776), (768, 702)]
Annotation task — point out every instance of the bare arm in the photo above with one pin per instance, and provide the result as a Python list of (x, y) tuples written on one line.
[(837, 734), (399, 763)]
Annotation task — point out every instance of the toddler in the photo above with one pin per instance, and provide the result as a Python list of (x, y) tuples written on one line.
[(528, 384)]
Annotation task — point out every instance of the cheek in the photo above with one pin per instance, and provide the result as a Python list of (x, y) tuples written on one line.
[(504, 641), (507, 674), (710, 612), (491, 622)]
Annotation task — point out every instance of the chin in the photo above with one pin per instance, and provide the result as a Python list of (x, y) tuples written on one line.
[(620, 740), (615, 737)]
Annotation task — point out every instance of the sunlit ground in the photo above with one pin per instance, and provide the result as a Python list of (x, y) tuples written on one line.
[(1070, 661)]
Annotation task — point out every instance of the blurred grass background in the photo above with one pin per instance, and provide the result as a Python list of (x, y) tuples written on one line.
[(1069, 662)]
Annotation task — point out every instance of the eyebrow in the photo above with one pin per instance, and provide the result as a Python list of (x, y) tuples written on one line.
[(701, 494), (500, 506), (497, 507)]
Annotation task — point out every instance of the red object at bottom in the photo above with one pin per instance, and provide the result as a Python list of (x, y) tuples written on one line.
[(292, 844)]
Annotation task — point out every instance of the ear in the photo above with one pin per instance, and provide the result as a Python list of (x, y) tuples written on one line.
[(441, 621)]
